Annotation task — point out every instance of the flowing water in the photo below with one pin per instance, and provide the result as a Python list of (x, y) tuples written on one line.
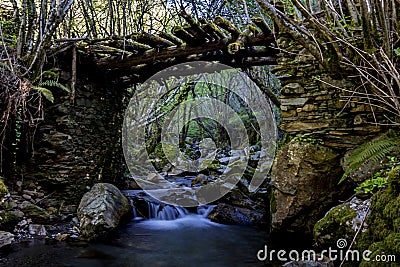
[(172, 237)]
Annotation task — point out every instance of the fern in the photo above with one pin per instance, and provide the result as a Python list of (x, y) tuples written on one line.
[(373, 151), (54, 83), (53, 73), (45, 92)]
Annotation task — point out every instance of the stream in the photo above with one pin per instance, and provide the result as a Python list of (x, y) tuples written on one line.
[(172, 236)]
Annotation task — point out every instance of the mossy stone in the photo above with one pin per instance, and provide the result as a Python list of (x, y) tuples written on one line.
[(3, 188), (36, 214), (8, 220), (394, 179), (383, 233), (335, 225)]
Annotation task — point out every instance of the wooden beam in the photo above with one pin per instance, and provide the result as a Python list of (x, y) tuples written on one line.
[(260, 23), (195, 28), (151, 40), (171, 38), (213, 30), (174, 51), (139, 74), (182, 34), (228, 26)]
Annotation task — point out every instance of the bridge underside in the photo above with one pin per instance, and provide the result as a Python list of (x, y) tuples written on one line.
[(136, 57)]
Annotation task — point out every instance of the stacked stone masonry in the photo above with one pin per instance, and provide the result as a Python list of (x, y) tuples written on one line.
[(313, 102)]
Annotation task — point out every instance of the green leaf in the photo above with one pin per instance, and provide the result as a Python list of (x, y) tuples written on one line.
[(54, 83), (373, 151), (397, 51), (45, 92)]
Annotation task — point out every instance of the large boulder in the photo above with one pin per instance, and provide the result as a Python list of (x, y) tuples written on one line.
[(341, 222), (101, 210), (228, 214), (305, 182), (6, 238)]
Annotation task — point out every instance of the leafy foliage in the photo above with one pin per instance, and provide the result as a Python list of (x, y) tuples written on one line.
[(53, 83), (45, 92), (373, 151), (372, 185)]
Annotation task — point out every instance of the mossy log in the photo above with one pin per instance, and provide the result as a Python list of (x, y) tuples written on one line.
[(240, 43), (228, 26), (171, 38), (151, 40), (194, 27), (200, 38), (128, 45), (213, 30), (260, 23), (104, 49), (182, 34)]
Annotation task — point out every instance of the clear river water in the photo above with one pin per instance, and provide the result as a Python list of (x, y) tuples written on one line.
[(190, 240)]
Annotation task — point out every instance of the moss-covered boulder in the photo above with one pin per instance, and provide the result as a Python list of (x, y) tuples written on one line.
[(383, 233), (380, 233), (37, 214), (8, 220), (341, 222)]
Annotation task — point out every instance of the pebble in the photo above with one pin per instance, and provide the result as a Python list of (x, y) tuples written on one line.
[(27, 197), (22, 223)]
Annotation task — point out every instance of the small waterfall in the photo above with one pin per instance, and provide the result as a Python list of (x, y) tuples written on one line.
[(149, 209), (166, 212), (204, 210)]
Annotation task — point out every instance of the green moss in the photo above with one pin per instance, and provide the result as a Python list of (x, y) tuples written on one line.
[(392, 209), (383, 233), (394, 179), (3, 188), (335, 225), (36, 214), (8, 221), (396, 225)]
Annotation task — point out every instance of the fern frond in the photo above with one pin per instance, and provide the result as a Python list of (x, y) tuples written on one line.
[(48, 73), (373, 151), (45, 92), (54, 83)]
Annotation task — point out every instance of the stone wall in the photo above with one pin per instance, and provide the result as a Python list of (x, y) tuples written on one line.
[(307, 170), (311, 105), (78, 145)]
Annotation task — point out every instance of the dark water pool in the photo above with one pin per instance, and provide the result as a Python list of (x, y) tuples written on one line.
[(188, 241)]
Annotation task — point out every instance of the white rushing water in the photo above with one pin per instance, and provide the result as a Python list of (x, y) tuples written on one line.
[(170, 217)]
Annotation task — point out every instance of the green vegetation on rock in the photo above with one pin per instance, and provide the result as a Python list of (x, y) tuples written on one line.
[(383, 233), (8, 220), (335, 225), (3, 188)]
